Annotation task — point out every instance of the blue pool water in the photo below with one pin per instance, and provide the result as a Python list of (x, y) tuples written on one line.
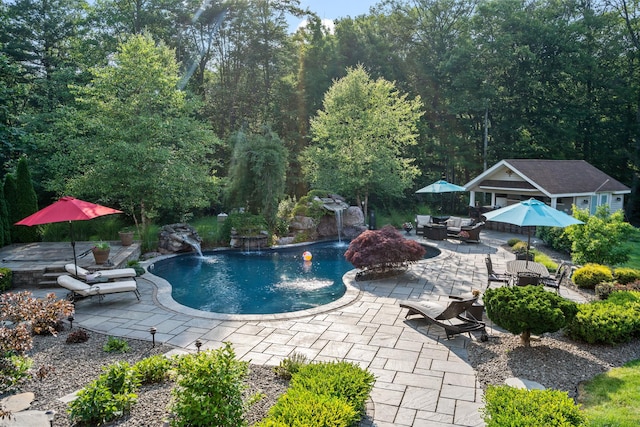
[(265, 282), (269, 281)]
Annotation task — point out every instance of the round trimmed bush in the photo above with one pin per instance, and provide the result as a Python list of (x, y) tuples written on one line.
[(508, 406), (612, 321), (590, 275), (528, 310), (624, 275)]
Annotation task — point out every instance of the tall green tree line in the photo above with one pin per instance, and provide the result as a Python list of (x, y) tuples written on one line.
[(497, 78)]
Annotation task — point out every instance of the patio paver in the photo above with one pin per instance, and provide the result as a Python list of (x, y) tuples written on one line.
[(422, 379)]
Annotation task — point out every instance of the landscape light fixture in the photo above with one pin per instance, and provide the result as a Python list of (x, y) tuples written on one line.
[(71, 319), (153, 331), (51, 414), (198, 344)]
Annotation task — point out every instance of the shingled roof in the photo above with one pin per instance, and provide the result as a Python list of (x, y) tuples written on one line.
[(558, 177)]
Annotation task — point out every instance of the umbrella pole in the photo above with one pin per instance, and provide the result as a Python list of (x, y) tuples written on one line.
[(73, 246), (526, 263)]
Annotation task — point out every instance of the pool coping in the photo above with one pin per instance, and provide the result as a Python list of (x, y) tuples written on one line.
[(353, 292)]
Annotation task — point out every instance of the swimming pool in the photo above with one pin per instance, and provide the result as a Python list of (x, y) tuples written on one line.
[(266, 282), (269, 281)]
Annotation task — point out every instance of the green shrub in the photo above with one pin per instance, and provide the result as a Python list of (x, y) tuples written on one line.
[(120, 378), (5, 279), (519, 247), (300, 407), (511, 242), (612, 321), (135, 264), (508, 406), (209, 389), (545, 260), (625, 276), (590, 275), (290, 365), (602, 238), (153, 369), (555, 238), (13, 370), (114, 344), (339, 379), (106, 398), (528, 310)]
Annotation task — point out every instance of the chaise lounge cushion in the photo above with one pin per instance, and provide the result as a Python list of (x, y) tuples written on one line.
[(79, 288), (101, 275)]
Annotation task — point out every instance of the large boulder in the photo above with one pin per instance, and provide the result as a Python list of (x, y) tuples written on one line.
[(353, 217), (175, 238), (352, 224)]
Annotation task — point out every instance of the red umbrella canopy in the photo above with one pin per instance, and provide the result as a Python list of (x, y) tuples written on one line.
[(67, 209)]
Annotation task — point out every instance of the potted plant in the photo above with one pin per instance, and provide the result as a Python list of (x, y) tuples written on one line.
[(463, 235), (126, 236), (407, 227), (101, 252), (521, 251)]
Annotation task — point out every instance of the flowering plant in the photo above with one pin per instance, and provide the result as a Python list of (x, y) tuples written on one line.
[(407, 226), (464, 234), (101, 245)]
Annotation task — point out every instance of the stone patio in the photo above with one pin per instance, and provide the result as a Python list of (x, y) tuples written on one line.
[(422, 379)]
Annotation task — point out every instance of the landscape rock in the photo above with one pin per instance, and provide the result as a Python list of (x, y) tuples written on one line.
[(17, 402), (176, 238)]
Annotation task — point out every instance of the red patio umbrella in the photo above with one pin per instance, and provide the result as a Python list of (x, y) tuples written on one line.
[(67, 209)]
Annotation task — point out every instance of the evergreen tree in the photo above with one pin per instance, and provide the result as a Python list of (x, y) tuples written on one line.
[(11, 199), (26, 203), (3, 219)]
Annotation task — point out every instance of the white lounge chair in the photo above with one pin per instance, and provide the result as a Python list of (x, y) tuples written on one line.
[(78, 289), (100, 275)]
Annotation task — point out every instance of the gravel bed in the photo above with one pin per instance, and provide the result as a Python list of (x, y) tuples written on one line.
[(553, 360), (73, 366)]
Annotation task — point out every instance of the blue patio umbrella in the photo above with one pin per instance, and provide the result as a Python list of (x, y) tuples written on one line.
[(531, 213), (441, 186)]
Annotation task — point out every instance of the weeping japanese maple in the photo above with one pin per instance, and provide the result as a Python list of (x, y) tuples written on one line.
[(383, 251)]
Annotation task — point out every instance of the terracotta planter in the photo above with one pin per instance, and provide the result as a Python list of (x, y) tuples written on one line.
[(100, 255), (126, 237)]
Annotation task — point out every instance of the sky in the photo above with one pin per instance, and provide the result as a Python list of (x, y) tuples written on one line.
[(333, 9)]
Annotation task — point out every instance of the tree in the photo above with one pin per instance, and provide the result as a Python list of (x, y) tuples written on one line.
[(602, 237), (527, 310), (11, 199), (136, 144), (26, 203), (5, 225), (360, 139), (383, 250), (258, 172)]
